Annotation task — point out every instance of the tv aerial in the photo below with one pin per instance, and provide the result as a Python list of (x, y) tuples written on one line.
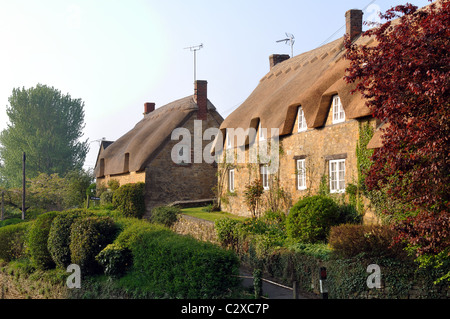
[(194, 49), (291, 39)]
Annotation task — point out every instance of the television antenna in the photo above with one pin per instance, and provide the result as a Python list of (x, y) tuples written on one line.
[(291, 39), (194, 49)]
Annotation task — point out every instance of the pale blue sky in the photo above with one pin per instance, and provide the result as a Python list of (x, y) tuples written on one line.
[(116, 55)]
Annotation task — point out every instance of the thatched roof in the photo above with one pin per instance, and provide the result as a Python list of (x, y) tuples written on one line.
[(143, 142), (308, 80)]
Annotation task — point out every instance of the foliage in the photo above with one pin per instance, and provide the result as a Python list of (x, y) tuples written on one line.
[(88, 236), (10, 221), (405, 81), (106, 198), (311, 218), (115, 260), (78, 182), (252, 196), (13, 241), (59, 236), (227, 232), (165, 215), (175, 266), (349, 240), (38, 241), (47, 126), (113, 184), (129, 200)]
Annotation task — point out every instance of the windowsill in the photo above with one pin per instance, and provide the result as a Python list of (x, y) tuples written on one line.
[(338, 191), (301, 188)]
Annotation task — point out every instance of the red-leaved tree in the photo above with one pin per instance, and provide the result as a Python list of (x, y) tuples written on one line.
[(404, 77)]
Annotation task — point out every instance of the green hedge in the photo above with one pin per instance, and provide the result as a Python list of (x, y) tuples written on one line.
[(165, 215), (174, 266), (38, 241), (59, 236), (88, 237), (129, 200), (13, 241)]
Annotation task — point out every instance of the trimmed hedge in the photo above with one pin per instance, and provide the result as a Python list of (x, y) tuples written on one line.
[(165, 215), (38, 241), (176, 266), (115, 260), (88, 237), (13, 241), (59, 236), (129, 200)]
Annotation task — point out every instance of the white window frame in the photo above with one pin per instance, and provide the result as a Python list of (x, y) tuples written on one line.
[(227, 137), (337, 176), (301, 121), (231, 180), (338, 110), (301, 174), (265, 177), (260, 132)]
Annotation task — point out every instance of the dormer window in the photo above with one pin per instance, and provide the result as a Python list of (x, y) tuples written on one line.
[(301, 120), (338, 110)]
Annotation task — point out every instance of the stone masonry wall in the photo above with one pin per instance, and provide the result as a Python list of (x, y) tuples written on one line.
[(317, 146), (198, 228), (167, 182)]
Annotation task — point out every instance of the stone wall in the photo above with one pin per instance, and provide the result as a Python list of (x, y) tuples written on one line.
[(198, 228), (317, 146), (167, 182)]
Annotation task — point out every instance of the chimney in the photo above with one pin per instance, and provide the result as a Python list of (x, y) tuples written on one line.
[(149, 107), (353, 23), (201, 98), (274, 59)]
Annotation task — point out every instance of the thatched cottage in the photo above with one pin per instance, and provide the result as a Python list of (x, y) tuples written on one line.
[(318, 120), (165, 162)]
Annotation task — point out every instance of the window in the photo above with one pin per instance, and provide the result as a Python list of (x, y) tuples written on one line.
[(228, 139), (337, 176), (265, 177), (301, 120), (231, 180), (261, 132), (301, 174), (338, 110)]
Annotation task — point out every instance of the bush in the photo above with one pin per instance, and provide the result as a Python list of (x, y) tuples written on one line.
[(10, 221), (129, 200), (171, 265), (165, 215), (348, 241), (88, 236), (106, 198), (59, 236), (310, 219), (115, 260), (227, 232), (13, 241), (38, 241)]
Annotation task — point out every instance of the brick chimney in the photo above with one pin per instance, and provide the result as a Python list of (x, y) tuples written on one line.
[(201, 98), (353, 23), (149, 107), (274, 59)]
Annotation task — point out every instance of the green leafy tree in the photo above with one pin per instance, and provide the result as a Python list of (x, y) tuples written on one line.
[(47, 126)]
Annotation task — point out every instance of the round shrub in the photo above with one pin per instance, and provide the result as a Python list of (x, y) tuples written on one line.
[(311, 218), (115, 260), (88, 236), (38, 241), (106, 198), (13, 241), (59, 236), (129, 200), (165, 215)]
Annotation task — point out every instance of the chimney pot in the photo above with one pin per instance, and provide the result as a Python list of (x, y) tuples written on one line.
[(201, 98), (149, 107), (274, 59), (353, 23)]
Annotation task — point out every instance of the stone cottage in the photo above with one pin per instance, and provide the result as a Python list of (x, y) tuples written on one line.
[(159, 151), (305, 104)]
